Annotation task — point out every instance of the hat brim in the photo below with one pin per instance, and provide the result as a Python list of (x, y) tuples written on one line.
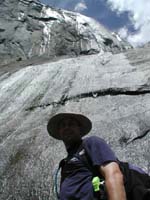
[(52, 126)]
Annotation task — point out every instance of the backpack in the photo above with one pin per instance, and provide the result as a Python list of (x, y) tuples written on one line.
[(86, 160), (137, 185)]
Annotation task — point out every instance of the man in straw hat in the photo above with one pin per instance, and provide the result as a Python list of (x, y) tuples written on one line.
[(89, 157)]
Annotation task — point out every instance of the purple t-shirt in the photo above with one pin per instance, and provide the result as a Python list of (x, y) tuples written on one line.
[(78, 185)]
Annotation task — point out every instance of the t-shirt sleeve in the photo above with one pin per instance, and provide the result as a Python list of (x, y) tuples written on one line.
[(99, 151)]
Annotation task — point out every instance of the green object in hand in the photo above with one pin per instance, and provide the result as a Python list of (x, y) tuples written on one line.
[(96, 183)]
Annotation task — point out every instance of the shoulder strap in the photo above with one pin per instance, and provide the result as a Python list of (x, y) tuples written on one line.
[(87, 161), (55, 177)]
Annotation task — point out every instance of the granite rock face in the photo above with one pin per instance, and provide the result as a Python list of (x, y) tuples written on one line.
[(29, 29), (113, 90)]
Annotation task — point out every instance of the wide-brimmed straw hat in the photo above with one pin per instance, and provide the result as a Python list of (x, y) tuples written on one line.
[(52, 126)]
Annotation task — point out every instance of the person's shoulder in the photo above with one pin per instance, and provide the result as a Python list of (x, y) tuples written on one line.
[(93, 139)]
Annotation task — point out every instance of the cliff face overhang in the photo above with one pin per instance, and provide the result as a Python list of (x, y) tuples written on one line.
[(30, 29)]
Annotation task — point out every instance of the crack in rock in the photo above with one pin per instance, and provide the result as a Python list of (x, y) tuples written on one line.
[(94, 94), (140, 136), (126, 141), (145, 133), (111, 92), (45, 19)]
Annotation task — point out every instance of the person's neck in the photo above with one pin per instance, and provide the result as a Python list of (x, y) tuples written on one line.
[(72, 148)]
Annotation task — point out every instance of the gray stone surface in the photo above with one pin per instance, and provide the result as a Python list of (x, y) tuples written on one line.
[(113, 90), (29, 29)]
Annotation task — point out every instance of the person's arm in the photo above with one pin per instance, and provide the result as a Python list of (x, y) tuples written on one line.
[(113, 181)]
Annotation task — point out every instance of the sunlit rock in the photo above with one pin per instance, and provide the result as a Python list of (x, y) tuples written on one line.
[(29, 29), (113, 90)]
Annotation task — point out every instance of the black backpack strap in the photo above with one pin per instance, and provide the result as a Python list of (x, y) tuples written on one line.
[(87, 161), (102, 194), (60, 167), (137, 185)]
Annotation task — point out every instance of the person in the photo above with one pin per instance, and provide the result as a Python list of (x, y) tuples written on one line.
[(76, 180)]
